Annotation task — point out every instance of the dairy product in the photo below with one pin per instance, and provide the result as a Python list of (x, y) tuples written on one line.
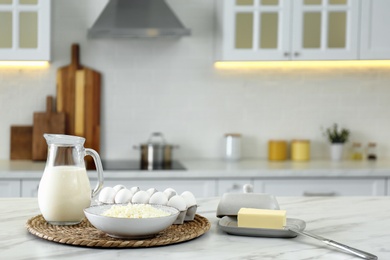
[(189, 198), (135, 211), (141, 197), (64, 191), (158, 198), (107, 195), (177, 202), (123, 196), (261, 218)]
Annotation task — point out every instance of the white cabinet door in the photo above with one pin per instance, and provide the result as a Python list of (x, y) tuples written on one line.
[(25, 30), (322, 187), (200, 188), (250, 30), (30, 188), (232, 185), (388, 187), (10, 188), (325, 30), (254, 29), (374, 36)]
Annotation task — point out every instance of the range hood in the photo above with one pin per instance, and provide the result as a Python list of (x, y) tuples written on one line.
[(137, 19)]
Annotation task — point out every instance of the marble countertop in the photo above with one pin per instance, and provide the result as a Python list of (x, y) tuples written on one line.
[(360, 222), (222, 169)]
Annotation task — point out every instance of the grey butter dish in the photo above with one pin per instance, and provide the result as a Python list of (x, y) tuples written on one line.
[(230, 203), (229, 225)]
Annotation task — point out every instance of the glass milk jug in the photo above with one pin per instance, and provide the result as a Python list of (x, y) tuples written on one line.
[(64, 190)]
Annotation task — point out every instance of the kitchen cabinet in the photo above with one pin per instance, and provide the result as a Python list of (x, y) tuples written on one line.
[(287, 30), (25, 30), (375, 41), (9, 188), (29, 188), (203, 187), (387, 187), (200, 188), (322, 187), (232, 185)]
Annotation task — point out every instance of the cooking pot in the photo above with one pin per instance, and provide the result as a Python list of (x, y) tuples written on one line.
[(156, 152)]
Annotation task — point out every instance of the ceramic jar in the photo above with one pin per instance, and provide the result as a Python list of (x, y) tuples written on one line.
[(300, 150), (277, 150)]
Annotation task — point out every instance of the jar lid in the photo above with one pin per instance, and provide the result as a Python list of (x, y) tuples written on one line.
[(277, 141), (300, 141), (371, 144), (356, 144)]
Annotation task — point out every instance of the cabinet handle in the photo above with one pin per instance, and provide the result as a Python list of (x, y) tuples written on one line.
[(286, 54), (319, 194), (296, 54), (234, 187), (247, 188)]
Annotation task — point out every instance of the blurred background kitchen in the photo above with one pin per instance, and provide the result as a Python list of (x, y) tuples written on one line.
[(172, 86)]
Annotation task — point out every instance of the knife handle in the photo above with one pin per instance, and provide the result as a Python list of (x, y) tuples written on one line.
[(335, 244), (357, 252)]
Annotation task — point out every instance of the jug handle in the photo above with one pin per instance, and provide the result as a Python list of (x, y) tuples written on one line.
[(99, 169)]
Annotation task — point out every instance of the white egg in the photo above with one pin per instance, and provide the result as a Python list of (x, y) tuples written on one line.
[(107, 195), (189, 198), (158, 198), (134, 189), (177, 202), (170, 193), (119, 187), (151, 191), (140, 197), (167, 189), (123, 196)]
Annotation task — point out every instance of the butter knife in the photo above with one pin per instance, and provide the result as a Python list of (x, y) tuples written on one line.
[(335, 244)]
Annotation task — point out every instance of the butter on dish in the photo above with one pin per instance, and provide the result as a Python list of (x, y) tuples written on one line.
[(261, 218)]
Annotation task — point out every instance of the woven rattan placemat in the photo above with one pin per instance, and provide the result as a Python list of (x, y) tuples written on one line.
[(84, 234)]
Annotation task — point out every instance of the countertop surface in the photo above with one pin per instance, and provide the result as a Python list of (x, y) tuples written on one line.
[(223, 169), (360, 222)]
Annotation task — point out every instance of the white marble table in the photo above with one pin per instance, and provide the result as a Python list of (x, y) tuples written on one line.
[(361, 222)]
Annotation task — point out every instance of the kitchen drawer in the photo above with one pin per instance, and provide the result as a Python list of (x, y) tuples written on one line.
[(322, 187), (10, 188), (30, 188), (200, 188), (232, 185), (388, 187)]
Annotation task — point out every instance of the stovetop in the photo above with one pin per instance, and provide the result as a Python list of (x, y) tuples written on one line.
[(135, 165)]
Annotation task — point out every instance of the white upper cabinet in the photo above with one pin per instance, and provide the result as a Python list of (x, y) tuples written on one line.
[(25, 30), (287, 30), (374, 37), (254, 29), (325, 29)]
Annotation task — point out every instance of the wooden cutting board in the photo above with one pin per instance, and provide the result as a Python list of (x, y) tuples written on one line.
[(21, 143), (78, 96), (46, 122)]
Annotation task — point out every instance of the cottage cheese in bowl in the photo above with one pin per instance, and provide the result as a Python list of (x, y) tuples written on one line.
[(131, 221), (135, 211)]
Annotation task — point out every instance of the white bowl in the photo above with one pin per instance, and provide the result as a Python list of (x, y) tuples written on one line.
[(130, 228)]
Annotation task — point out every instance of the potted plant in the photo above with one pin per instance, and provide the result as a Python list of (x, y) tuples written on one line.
[(337, 137)]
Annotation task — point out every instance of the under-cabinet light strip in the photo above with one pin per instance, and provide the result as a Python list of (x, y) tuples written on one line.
[(13, 64), (302, 64)]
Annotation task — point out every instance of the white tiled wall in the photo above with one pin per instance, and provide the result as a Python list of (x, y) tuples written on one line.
[(172, 86)]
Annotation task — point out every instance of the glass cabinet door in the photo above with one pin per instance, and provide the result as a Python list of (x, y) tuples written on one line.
[(24, 30), (325, 29), (259, 29)]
